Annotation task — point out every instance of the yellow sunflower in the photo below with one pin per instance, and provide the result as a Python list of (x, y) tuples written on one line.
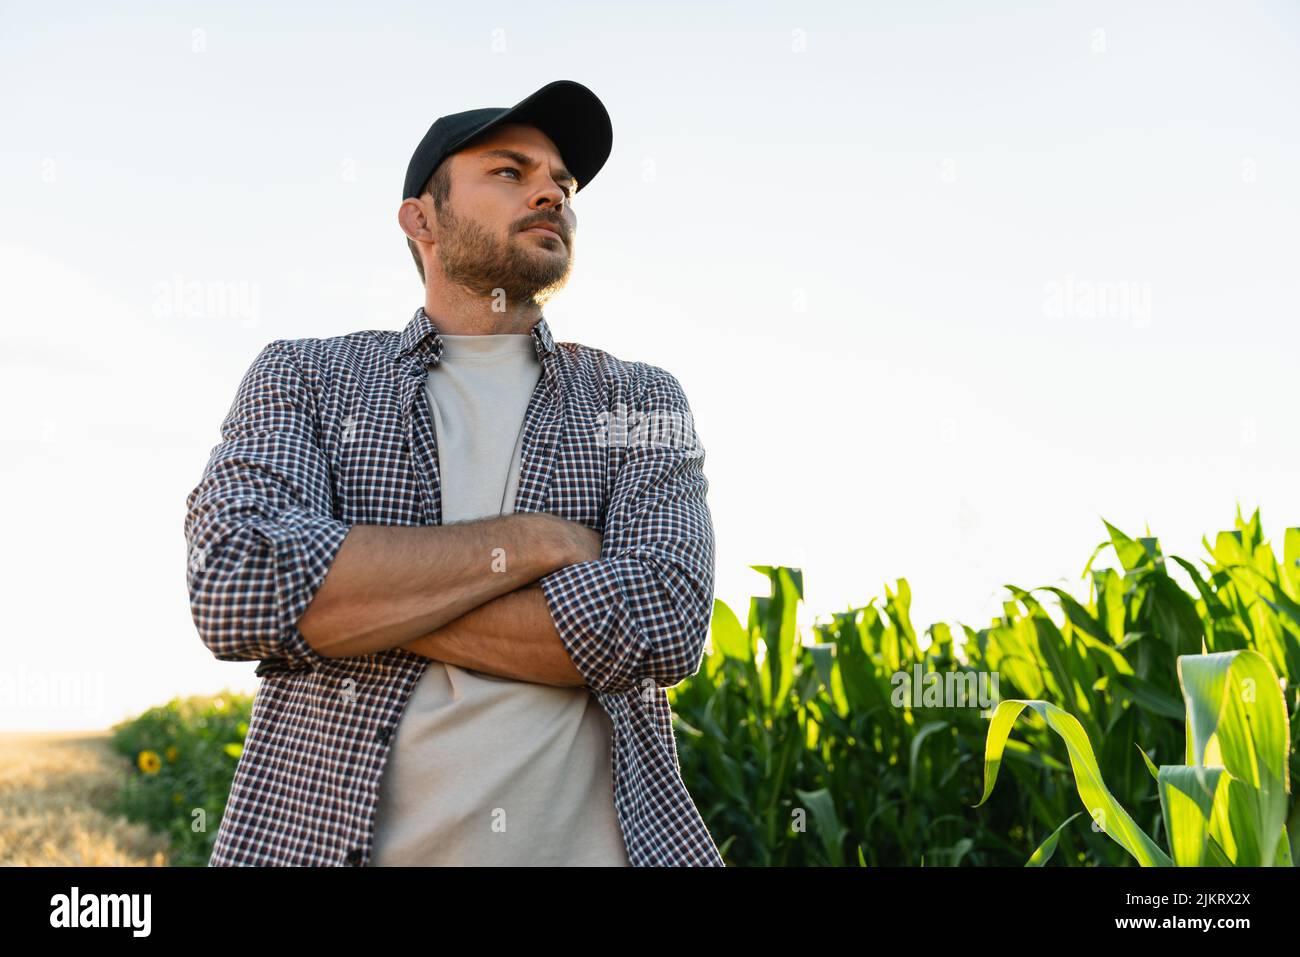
[(149, 762), (172, 752)]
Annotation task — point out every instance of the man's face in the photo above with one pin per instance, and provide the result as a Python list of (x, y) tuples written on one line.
[(502, 186)]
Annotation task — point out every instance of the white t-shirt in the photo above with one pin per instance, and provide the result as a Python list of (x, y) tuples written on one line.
[(484, 770)]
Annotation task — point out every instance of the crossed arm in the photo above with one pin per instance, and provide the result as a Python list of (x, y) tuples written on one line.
[(488, 617), (512, 636), (272, 574)]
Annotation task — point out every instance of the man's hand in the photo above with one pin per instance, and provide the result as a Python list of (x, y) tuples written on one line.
[(576, 541)]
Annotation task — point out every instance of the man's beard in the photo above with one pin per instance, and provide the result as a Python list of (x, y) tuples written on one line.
[(474, 258)]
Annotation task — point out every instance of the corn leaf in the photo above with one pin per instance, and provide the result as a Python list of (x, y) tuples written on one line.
[(1045, 850), (1107, 813)]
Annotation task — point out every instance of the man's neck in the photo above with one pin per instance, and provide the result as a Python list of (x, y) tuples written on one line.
[(461, 313)]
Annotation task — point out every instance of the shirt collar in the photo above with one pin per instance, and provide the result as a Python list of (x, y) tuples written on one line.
[(421, 336)]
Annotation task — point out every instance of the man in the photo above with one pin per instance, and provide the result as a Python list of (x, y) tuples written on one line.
[(469, 557)]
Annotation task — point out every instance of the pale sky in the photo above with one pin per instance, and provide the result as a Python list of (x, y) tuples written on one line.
[(944, 287)]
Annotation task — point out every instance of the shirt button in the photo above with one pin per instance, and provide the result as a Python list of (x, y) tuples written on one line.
[(384, 733), (354, 856)]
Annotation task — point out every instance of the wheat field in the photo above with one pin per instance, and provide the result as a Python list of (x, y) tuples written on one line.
[(55, 790)]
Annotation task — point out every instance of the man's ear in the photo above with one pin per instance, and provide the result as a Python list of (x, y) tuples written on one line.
[(414, 220)]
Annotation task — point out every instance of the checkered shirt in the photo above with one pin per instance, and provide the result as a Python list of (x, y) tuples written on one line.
[(329, 433)]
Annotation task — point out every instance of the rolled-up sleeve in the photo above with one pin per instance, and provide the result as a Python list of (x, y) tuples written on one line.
[(259, 525), (642, 610)]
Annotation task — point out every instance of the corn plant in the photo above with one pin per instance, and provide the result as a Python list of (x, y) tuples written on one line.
[(798, 755), (1226, 806), (1112, 662), (776, 727)]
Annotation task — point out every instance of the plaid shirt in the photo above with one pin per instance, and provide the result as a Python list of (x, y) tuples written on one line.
[(327, 433)]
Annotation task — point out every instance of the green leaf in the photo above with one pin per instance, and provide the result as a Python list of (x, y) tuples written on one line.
[(822, 806), (1237, 719), (1107, 812), (823, 656), (926, 730), (728, 637), (1151, 765), (1146, 696), (1187, 798), (1045, 850), (1132, 554)]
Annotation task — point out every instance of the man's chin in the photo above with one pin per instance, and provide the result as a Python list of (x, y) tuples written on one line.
[(532, 286), (552, 243)]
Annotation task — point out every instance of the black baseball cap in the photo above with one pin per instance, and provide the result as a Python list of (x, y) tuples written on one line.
[(565, 110)]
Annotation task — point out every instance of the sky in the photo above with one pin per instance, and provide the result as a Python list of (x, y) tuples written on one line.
[(946, 285)]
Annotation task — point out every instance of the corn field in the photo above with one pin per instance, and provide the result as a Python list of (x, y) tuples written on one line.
[(1153, 724)]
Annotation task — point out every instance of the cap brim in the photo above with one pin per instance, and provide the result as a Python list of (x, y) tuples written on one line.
[(572, 116)]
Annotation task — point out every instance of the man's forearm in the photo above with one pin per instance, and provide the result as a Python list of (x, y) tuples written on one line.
[(512, 636), (392, 584)]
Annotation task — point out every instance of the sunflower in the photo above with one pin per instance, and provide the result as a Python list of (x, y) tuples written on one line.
[(149, 762), (173, 752)]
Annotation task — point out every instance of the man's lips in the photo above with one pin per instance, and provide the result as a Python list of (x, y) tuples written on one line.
[(553, 230)]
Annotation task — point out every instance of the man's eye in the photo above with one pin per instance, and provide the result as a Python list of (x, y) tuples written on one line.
[(568, 190)]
